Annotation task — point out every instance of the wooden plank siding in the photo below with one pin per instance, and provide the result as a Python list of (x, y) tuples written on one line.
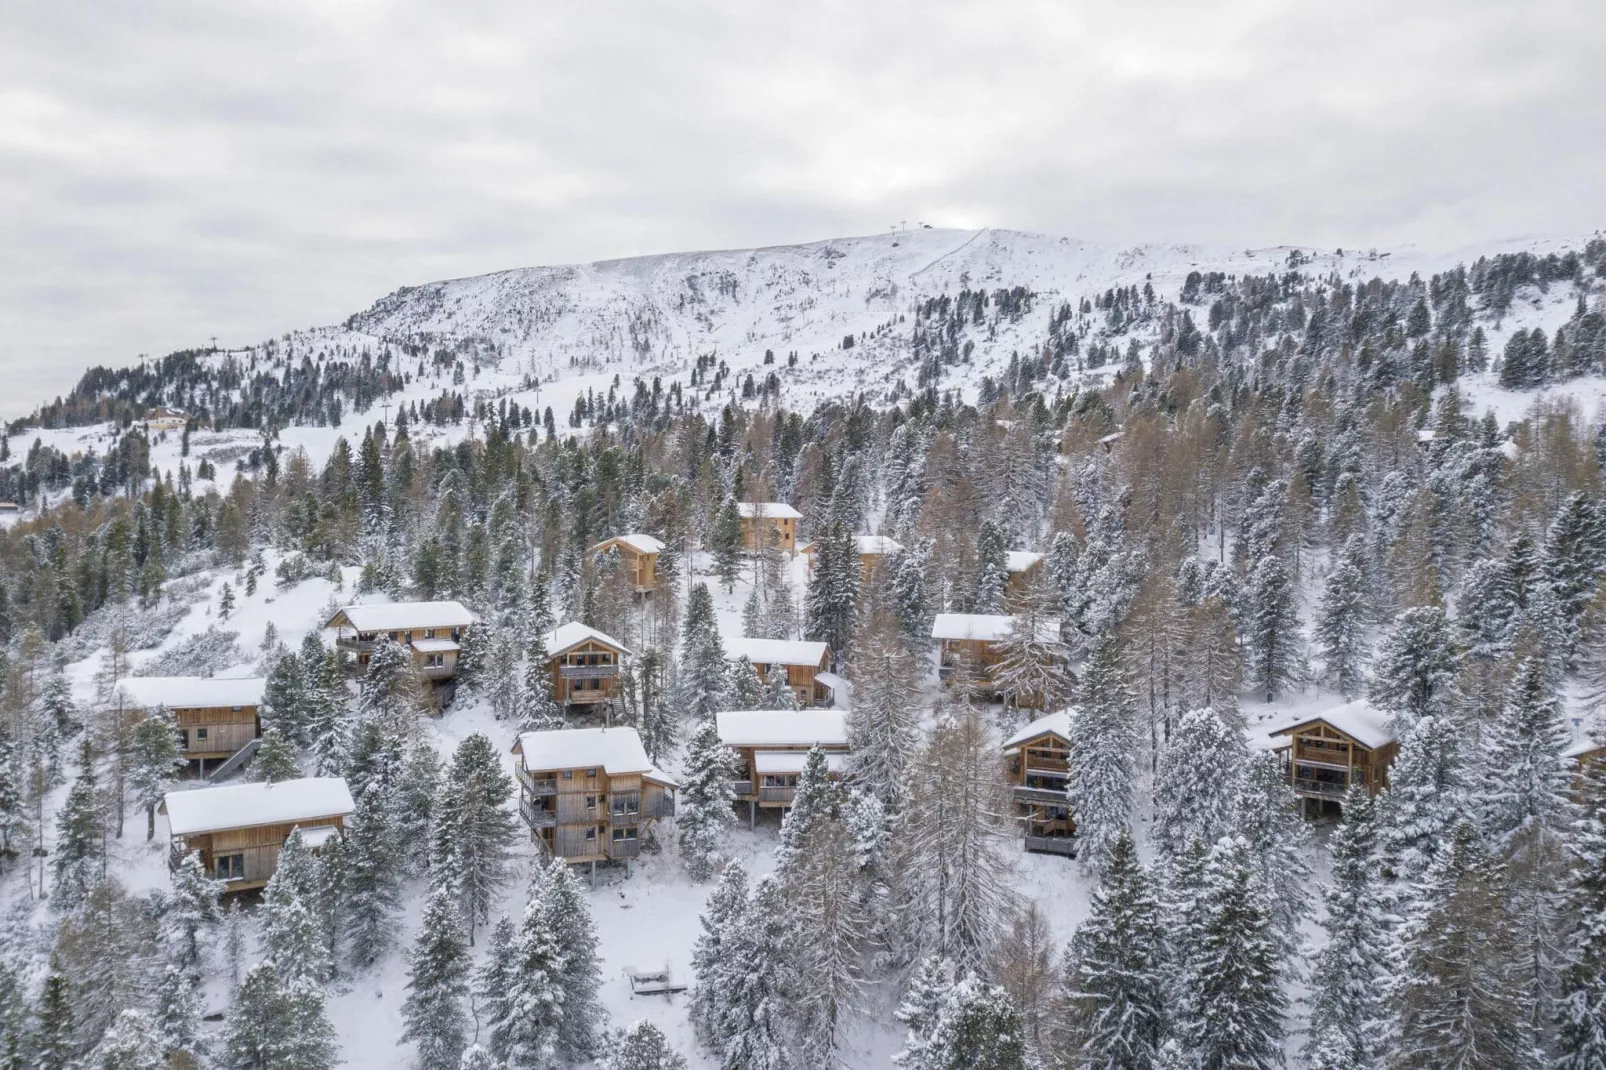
[(586, 815), (586, 674), (1036, 770), (259, 845), (642, 568), (985, 657), (782, 533), (216, 731), (1322, 762)]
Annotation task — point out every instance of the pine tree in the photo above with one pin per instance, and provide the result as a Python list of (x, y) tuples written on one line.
[(483, 826), (911, 598), (743, 689), (1415, 666), (830, 924), (1102, 774), (414, 801), (1424, 800), (1456, 1004), (52, 1040), (882, 722), (194, 902), (1574, 559), (493, 983), (275, 759), (1271, 822), (830, 606), (568, 918), (702, 657), (391, 691), (1271, 628), (1581, 1036), (275, 1025), (754, 1027), (1033, 669), (816, 800), (642, 1047), (921, 1008), (328, 729), (293, 937), (1233, 1016), (1340, 629), (285, 695), (178, 1015), (154, 761), (1114, 980), (80, 840), (370, 876), (978, 1028), (703, 807), (725, 542), (753, 615), (132, 1043), (1202, 768), (778, 693), (435, 1012), (478, 1058), (992, 569), (1349, 1015), (724, 911), (526, 1025)]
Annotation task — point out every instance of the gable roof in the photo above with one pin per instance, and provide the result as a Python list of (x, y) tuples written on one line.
[(768, 510), (393, 616), (984, 627), (642, 544), (1057, 723), (250, 805), (613, 750), (782, 728), (864, 545), (190, 692), (1360, 720), (573, 634), (777, 651)]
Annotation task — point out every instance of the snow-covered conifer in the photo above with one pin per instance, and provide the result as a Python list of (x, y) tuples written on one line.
[(1415, 666), (1340, 628), (816, 800), (778, 693), (743, 689), (194, 902), (414, 800), (568, 918), (80, 839), (1201, 768), (978, 1028), (703, 806), (526, 1025), (754, 1031), (1581, 1033), (371, 873), (484, 826), (642, 1047), (275, 759), (921, 1008), (276, 1025), (992, 569), (911, 599), (1424, 802), (723, 912), (132, 1043), (435, 1012), (1102, 772), (702, 657), (284, 695), (1271, 634), (1270, 821), (882, 723), (1034, 665), (177, 1016), (154, 759), (831, 602)]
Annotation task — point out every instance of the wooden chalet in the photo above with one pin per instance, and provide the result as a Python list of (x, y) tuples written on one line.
[(216, 718), (433, 631), (770, 747), (638, 555), (1583, 755), (1036, 764), (1024, 566), (1326, 753), (804, 661), (978, 638), (239, 829), (589, 794), (165, 419), (872, 550), (585, 665), (768, 524)]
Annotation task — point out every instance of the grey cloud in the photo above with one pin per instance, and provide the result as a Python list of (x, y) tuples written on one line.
[(173, 170)]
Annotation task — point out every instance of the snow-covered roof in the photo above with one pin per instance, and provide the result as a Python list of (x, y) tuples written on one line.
[(1021, 560), (190, 692), (573, 634), (791, 761), (768, 510), (1582, 746), (840, 689), (317, 835), (434, 646), (782, 728), (249, 805), (1057, 723), (392, 616), (982, 627), (614, 750), (1360, 720), (642, 544), (777, 651), (864, 545)]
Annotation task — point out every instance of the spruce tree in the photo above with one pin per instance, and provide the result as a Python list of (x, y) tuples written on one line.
[(484, 826), (154, 760), (921, 1008), (132, 1043), (992, 569), (778, 693), (882, 722), (177, 1016), (754, 1028), (1349, 1016), (285, 694), (1425, 800), (277, 1025), (435, 1012), (978, 1028), (702, 657), (1415, 667), (816, 800), (724, 911), (830, 605), (743, 689), (568, 919), (1114, 973), (1233, 1016), (80, 839), (526, 1026), (1340, 628), (1271, 634), (1581, 1033), (703, 807), (194, 902), (370, 879), (1270, 820), (52, 1039), (725, 542), (1102, 773), (275, 759), (1202, 768), (642, 1047), (1033, 669), (414, 801)]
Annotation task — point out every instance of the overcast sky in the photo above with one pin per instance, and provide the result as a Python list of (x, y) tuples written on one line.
[(173, 171)]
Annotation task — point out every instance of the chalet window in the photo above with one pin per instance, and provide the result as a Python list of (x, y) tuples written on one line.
[(626, 833), (228, 867), (591, 834), (591, 774), (200, 734), (627, 806), (591, 802), (392, 637), (235, 709), (568, 774), (429, 633)]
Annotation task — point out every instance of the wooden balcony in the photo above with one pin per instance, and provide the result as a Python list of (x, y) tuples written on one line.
[(537, 817), (1052, 845), (1050, 796), (1319, 789), (628, 848), (534, 786), (777, 796), (1047, 766), (587, 672), (658, 806), (742, 788), (437, 672)]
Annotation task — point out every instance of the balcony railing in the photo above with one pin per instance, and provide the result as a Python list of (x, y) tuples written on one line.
[(783, 796), (437, 672), (1041, 795), (537, 817), (1321, 789), (658, 806), (1052, 845), (587, 672), (1048, 766), (742, 787), (537, 787)]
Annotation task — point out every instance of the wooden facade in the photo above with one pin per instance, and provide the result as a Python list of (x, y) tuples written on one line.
[(872, 550), (240, 844), (1036, 765), (431, 631), (803, 661), (585, 665), (595, 811), (975, 639), (215, 718), (1325, 755), (768, 525), (1024, 567), (768, 748), (216, 732), (638, 555)]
